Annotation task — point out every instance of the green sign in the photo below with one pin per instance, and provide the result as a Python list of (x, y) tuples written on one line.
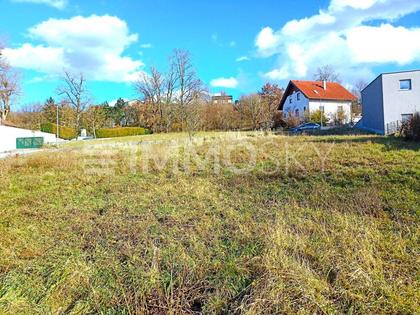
[(29, 143)]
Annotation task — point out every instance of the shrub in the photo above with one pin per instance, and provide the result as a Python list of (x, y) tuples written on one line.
[(278, 121), (410, 130), (66, 133), (318, 117), (292, 121), (340, 117), (121, 132)]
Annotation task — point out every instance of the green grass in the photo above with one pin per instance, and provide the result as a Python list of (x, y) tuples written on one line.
[(308, 238)]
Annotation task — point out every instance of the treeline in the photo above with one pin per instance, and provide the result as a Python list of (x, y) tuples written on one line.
[(167, 101)]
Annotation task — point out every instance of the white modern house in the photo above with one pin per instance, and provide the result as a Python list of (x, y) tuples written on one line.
[(389, 100), (303, 97), (9, 136)]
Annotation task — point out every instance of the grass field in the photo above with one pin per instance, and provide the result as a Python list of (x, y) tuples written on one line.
[(233, 223)]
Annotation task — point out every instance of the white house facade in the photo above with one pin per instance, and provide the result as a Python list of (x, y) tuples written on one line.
[(303, 97), (389, 100), (296, 104)]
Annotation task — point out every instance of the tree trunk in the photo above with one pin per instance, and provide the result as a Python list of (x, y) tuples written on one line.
[(4, 114)]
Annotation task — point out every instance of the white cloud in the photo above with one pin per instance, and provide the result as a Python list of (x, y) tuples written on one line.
[(58, 4), (391, 44), (39, 58), (356, 4), (229, 83), (342, 36), (277, 74), (267, 41), (93, 45), (242, 58)]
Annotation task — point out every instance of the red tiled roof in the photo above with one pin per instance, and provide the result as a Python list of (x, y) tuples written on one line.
[(315, 90)]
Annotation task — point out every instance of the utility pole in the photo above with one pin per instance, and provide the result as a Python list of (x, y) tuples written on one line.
[(321, 110), (57, 129)]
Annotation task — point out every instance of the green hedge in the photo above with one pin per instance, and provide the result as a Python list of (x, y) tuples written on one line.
[(66, 133), (121, 132)]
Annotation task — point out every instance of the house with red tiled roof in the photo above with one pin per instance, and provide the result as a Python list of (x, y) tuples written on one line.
[(305, 97)]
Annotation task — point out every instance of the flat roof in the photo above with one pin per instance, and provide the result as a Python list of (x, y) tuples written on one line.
[(386, 73), (396, 72)]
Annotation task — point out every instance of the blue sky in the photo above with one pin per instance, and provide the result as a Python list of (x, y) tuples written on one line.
[(236, 46)]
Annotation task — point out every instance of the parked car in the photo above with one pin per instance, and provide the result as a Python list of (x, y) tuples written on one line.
[(306, 127)]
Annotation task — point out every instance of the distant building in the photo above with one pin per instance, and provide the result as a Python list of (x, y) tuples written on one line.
[(390, 99), (303, 97), (222, 99)]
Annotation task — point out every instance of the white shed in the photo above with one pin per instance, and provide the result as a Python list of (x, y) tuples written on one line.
[(8, 136)]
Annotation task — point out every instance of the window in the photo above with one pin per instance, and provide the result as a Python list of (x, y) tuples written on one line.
[(340, 108), (304, 108), (297, 112), (290, 99), (405, 85), (406, 117), (321, 108), (298, 96)]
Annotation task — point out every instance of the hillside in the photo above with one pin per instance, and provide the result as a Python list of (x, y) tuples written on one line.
[(314, 225)]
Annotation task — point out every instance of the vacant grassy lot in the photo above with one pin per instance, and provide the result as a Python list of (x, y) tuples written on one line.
[(249, 224)]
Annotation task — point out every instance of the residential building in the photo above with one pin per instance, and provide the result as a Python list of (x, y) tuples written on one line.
[(389, 100), (222, 99), (302, 98)]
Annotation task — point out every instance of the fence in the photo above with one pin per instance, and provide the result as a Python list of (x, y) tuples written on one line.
[(393, 127), (29, 143)]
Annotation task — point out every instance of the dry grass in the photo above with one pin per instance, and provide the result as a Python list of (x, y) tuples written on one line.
[(339, 236)]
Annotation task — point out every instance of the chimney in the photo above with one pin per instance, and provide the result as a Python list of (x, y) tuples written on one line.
[(325, 85)]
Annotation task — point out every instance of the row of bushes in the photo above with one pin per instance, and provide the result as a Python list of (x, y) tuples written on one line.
[(66, 133), (121, 132)]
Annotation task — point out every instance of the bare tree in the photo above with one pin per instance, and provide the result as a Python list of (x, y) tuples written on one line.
[(170, 84), (270, 95), (75, 93), (152, 89), (356, 107), (251, 111), (194, 116), (95, 118), (9, 86), (327, 73), (168, 97), (358, 88), (189, 87)]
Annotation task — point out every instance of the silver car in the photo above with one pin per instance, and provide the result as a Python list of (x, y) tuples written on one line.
[(306, 127)]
